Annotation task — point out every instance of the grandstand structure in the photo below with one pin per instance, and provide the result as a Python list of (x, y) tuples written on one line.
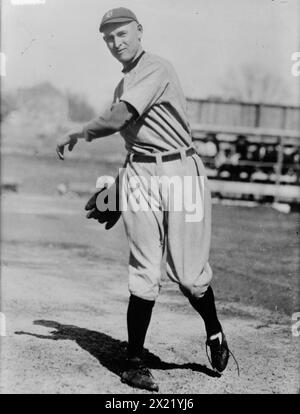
[(251, 150)]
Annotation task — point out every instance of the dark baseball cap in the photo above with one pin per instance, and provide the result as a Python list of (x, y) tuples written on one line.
[(118, 15)]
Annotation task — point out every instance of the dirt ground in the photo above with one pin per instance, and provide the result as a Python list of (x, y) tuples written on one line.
[(64, 297)]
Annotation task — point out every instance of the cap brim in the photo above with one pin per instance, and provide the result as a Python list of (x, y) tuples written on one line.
[(115, 20)]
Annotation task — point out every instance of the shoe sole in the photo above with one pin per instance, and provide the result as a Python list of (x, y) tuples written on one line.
[(124, 381)]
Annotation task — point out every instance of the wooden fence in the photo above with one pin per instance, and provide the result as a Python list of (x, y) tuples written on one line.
[(243, 114)]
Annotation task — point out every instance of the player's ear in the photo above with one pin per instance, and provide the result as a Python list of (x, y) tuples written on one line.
[(140, 31)]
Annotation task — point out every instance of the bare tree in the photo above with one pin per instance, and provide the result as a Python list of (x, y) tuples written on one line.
[(251, 83)]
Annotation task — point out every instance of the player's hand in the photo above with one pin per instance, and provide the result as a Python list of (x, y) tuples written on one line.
[(70, 139)]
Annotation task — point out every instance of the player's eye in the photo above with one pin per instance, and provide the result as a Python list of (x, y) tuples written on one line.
[(107, 39)]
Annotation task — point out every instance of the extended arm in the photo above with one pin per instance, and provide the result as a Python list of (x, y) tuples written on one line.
[(109, 123)]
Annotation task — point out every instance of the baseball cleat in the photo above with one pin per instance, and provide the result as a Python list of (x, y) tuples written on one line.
[(138, 375), (219, 352)]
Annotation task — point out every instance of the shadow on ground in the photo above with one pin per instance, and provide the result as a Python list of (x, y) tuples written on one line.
[(110, 352)]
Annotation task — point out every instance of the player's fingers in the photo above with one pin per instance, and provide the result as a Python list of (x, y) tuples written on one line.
[(72, 144), (60, 152)]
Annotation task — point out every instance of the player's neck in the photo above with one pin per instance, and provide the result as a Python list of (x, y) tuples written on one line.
[(138, 53), (133, 62)]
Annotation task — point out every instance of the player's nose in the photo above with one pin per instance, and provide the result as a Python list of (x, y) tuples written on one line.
[(118, 43)]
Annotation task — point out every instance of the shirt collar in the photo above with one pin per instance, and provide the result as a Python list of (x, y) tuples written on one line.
[(132, 64)]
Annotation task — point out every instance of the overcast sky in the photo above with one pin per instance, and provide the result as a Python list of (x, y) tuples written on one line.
[(206, 40)]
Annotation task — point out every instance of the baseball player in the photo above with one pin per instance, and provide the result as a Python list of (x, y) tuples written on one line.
[(149, 111)]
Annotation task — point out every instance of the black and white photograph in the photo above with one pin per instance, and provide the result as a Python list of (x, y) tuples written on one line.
[(150, 199)]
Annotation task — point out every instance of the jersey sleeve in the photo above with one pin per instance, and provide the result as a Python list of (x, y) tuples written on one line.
[(113, 120), (147, 88)]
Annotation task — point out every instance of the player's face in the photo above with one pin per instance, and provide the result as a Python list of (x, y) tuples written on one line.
[(123, 40)]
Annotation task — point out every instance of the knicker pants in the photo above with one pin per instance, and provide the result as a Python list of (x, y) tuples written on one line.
[(167, 214)]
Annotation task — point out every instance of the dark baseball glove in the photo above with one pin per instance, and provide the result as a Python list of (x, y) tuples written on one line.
[(108, 216)]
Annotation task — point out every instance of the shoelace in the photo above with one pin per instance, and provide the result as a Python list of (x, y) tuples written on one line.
[(231, 353), (236, 363)]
